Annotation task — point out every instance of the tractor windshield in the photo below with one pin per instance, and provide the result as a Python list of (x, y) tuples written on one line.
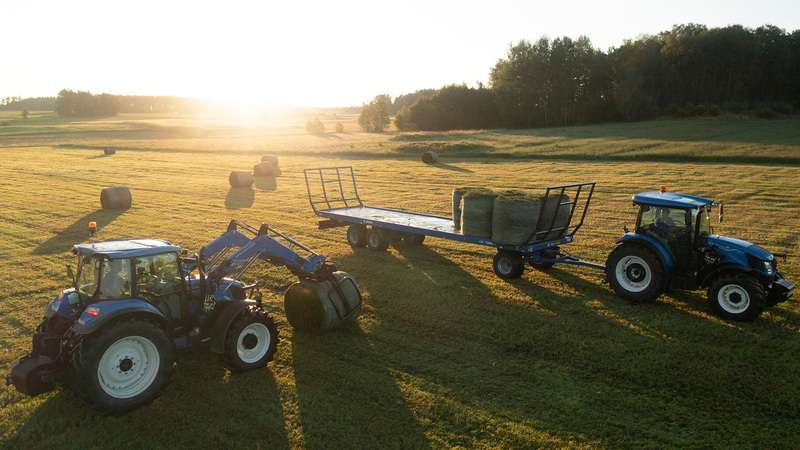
[(88, 269), (701, 218)]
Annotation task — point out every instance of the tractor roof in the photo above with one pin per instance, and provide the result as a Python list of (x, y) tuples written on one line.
[(132, 248), (670, 200)]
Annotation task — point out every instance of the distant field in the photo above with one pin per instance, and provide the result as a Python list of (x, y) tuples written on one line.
[(446, 354)]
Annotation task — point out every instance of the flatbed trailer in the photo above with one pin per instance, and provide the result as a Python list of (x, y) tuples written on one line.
[(333, 196)]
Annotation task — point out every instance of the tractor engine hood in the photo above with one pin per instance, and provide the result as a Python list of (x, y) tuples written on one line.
[(726, 243)]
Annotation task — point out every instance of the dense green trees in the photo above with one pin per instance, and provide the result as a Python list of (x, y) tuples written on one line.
[(688, 70), (74, 104), (374, 116)]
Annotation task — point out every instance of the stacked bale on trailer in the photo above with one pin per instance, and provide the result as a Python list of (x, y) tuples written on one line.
[(476, 212), (118, 197), (510, 217)]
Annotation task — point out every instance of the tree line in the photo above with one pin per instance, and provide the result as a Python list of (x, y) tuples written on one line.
[(687, 71)]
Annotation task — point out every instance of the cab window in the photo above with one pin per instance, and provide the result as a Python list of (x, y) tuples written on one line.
[(157, 275), (88, 269), (703, 221), (115, 279), (665, 224)]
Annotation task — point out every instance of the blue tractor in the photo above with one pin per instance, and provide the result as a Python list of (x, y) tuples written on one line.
[(114, 334), (673, 247)]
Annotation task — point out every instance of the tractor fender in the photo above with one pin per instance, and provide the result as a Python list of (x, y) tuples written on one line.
[(224, 321), (731, 267), (105, 311), (649, 242)]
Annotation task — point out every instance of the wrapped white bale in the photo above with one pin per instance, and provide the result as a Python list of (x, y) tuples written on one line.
[(476, 213), (118, 197), (240, 178), (561, 218), (514, 217)]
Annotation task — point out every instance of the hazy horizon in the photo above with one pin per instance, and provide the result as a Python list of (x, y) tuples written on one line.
[(312, 54)]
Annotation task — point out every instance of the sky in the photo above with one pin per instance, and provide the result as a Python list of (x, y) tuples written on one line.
[(312, 53)]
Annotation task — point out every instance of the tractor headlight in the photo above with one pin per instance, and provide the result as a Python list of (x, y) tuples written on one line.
[(768, 267)]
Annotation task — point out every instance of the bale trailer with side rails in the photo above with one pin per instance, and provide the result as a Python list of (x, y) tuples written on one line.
[(333, 195)]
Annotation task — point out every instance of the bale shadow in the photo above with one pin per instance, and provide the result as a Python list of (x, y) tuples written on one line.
[(443, 165), (239, 198), (77, 231), (347, 396), (204, 406), (99, 156), (266, 183)]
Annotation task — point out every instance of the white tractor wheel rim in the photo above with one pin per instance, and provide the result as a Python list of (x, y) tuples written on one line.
[(253, 343), (504, 265), (633, 273), (733, 298), (128, 367)]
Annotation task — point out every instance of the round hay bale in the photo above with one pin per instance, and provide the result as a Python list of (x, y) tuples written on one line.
[(514, 217), (240, 178), (272, 159), (561, 219), (109, 151), (430, 157), (314, 306), (476, 212), (118, 197), (266, 169)]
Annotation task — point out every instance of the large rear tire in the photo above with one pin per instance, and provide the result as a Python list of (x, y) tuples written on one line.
[(251, 341), (123, 365), (737, 297), (635, 273)]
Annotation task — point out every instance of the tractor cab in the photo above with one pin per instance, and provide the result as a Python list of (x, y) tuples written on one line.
[(674, 247)]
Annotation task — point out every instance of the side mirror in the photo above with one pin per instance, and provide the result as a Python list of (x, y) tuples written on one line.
[(721, 212), (70, 274)]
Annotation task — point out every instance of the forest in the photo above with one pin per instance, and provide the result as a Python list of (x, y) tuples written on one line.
[(690, 70)]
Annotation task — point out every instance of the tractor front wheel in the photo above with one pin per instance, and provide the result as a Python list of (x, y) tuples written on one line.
[(635, 273), (122, 366), (737, 297), (251, 341)]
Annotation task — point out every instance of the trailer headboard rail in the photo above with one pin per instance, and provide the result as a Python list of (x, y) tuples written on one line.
[(331, 188)]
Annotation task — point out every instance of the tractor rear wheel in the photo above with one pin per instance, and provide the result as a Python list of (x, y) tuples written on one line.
[(413, 240), (508, 265), (251, 341), (377, 239), (123, 365), (737, 297), (357, 235), (635, 273)]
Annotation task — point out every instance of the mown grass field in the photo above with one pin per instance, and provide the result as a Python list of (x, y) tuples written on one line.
[(446, 354)]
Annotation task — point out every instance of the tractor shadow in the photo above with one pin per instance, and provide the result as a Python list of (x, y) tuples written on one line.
[(347, 395), (203, 406), (76, 232), (239, 198), (266, 183)]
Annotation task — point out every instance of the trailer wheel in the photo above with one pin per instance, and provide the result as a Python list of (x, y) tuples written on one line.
[(123, 365), (737, 297), (357, 235), (508, 265), (413, 240), (251, 341), (635, 273), (377, 239)]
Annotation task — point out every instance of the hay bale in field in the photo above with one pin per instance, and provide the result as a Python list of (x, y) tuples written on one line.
[(514, 217), (108, 151), (476, 212), (561, 219), (266, 169), (240, 178), (430, 157), (272, 159), (118, 197)]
